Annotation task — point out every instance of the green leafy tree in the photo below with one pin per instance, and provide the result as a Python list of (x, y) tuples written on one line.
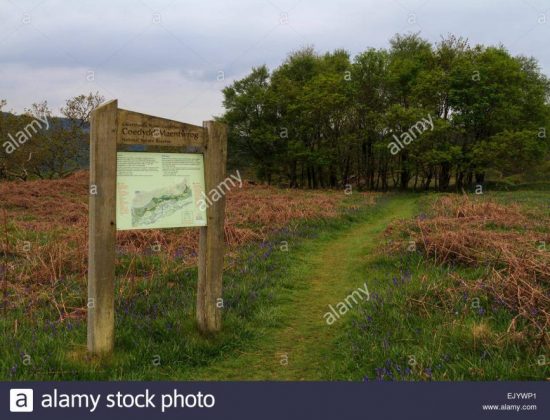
[(325, 120)]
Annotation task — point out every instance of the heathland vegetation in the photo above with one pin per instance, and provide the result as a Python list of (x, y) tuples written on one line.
[(458, 289)]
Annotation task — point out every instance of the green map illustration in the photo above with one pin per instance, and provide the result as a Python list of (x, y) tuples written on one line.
[(159, 190), (150, 206)]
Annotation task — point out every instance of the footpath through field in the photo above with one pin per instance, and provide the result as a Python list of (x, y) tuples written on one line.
[(304, 348)]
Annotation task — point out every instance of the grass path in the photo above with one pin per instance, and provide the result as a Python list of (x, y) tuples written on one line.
[(303, 347)]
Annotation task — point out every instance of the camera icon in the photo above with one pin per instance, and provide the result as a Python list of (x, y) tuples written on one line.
[(21, 400)]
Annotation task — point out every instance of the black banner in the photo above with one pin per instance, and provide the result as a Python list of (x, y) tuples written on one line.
[(275, 400)]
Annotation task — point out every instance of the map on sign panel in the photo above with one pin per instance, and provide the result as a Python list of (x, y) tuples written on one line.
[(160, 190), (149, 206)]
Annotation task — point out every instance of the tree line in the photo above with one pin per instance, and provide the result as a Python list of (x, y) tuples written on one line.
[(37, 144), (327, 120)]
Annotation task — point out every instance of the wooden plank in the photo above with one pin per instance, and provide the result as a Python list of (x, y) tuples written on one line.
[(211, 243), (102, 228), (137, 128)]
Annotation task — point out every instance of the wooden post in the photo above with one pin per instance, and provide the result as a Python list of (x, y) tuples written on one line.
[(211, 243), (102, 228)]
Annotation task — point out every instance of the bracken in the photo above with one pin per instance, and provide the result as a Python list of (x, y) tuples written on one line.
[(482, 232), (52, 215)]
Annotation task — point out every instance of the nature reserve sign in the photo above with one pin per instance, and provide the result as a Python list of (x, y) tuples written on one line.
[(159, 190), (148, 172), (135, 128)]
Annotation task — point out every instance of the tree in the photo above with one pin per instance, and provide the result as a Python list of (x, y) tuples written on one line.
[(79, 108), (55, 146), (324, 120), (512, 152), (251, 118)]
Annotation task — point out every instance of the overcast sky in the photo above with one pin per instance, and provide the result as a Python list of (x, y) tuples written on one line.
[(164, 57)]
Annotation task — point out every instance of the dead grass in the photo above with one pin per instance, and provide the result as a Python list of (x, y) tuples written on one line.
[(507, 240), (47, 234), (482, 333)]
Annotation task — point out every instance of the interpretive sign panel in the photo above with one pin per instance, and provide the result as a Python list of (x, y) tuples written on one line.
[(160, 190), (141, 179)]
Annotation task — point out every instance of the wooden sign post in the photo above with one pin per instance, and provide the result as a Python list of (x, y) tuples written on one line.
[(113, 129)]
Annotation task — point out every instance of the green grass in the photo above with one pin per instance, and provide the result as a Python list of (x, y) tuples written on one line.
[(302, 346)]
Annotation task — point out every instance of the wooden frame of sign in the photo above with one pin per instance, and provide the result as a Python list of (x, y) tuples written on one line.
[(109, 132)]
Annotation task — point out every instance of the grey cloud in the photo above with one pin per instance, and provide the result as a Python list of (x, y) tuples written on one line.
[(178, 47)]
